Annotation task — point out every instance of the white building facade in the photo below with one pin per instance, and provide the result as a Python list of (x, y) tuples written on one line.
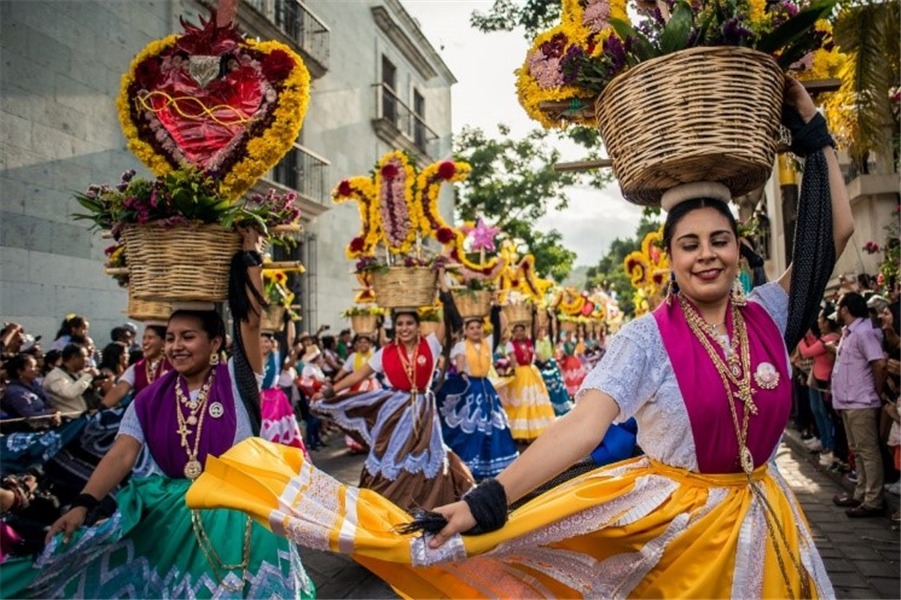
[(377, 85)]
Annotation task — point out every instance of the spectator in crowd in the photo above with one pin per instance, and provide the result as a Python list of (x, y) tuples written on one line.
[(813, 346), (73, 325), (67, 384), (875, 305), (329, 352), (132, 329), (24, 398), (857, 381), (890, 322), (52, 359), (12, 336), (113, 364), (344, 344)]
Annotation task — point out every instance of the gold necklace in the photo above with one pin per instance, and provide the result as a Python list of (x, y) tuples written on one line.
[(745, 393), (213, 558), (193, 468), (409, 365), (742, 383)]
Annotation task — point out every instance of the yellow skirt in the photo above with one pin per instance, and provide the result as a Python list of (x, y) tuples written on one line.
[(634, 529), (527, 403)]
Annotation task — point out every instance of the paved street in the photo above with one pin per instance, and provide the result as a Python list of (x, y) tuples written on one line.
[(862, 555)]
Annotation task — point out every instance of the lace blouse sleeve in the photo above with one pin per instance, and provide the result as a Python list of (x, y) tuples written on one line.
[(774, 300), (131, 425), (630, 372)]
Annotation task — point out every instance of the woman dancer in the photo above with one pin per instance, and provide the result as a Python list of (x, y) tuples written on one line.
[(474, 423), (573, 370), (525, 398), (550, 373), (144, 372), (153, 546), (279, 423), (705, 513), (408, 461)]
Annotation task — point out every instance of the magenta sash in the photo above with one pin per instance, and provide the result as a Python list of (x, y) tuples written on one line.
[(705, 397), (156, 407), (162, 366)]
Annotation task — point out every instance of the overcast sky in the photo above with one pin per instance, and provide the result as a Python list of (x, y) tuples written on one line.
[(485, 95)]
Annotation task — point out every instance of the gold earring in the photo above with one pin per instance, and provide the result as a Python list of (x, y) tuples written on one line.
[(672, 289), (738, 293), (214, 359)]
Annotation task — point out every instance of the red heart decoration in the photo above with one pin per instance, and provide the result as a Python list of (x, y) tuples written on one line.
[(209, 98)]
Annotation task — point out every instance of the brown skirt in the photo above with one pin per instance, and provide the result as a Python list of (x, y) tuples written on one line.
[(408, 462)]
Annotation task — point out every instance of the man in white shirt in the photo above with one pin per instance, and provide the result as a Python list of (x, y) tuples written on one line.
[(66, 385)]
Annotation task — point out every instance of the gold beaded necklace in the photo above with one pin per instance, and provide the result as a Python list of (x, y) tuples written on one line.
[(196, 413), (739, 377), (741, 380)]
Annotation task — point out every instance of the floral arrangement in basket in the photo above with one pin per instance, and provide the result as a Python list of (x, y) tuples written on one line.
[(185, 196), (228, 105), (519, 276), (116, 263), (648, 268), (469, 250), (277, 292), (398, 211), (570, 64)]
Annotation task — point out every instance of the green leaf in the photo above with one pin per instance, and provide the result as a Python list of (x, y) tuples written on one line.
[(675, 34), (642, 47), (793, 28)]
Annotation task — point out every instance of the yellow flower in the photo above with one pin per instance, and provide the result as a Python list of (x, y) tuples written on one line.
[(757, 11)]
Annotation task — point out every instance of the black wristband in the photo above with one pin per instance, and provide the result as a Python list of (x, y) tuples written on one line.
[(328, 392), (488, 504), (808, 137), (86, 501), (252, 258)]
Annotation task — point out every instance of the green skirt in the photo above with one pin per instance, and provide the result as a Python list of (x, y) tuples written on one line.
[(148, 549)]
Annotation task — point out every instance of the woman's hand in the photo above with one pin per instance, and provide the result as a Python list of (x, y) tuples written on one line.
[(252, 239), (459, 519), (67, 524), (796, 96)]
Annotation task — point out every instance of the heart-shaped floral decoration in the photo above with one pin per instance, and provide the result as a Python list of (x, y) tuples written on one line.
[(210, 98)]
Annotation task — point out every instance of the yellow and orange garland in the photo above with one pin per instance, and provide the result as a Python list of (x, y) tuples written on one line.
[(648, 269)]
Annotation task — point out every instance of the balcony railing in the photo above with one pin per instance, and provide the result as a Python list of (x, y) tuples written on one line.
[(304, 171), (300, 25), (404, 121)]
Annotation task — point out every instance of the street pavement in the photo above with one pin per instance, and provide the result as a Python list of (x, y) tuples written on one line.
[(861, 555)]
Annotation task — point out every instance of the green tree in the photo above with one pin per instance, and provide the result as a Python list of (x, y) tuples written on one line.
[(504, 15), (513, 183)]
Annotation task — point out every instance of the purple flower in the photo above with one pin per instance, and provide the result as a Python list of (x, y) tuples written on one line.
[(734, 32), (128, 175), (571, 65), (554, 47)]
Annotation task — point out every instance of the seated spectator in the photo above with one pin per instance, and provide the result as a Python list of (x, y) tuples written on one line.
[(24, 398), (73, 325), (52, 359), (113, 363), (67, 384), (12, 336)]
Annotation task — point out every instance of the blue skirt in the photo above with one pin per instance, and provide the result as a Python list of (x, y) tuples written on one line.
[(553, 380), (474, 425)]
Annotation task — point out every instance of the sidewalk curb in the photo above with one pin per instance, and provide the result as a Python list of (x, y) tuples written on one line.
[(792, 439)]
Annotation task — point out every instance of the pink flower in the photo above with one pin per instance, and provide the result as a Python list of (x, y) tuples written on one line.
[(596, 15), (805, 64), (546, 71)]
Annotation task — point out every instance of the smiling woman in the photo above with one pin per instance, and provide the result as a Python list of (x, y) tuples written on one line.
[(198, 410)]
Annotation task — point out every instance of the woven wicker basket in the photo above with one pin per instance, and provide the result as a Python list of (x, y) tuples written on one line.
[(364, 324), (428, 327), (702, 114), (180, 263), (273, 318), (404, 287), (472, 304), (517, 313), (142, 310), (569, 326)]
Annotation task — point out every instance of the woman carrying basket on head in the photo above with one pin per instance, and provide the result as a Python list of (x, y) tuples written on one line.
[(154, 546), (407, 461), (705, 513)]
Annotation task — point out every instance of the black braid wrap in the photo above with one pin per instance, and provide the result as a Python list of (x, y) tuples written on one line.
[(239, 285), (756, 262), (813, 257)]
